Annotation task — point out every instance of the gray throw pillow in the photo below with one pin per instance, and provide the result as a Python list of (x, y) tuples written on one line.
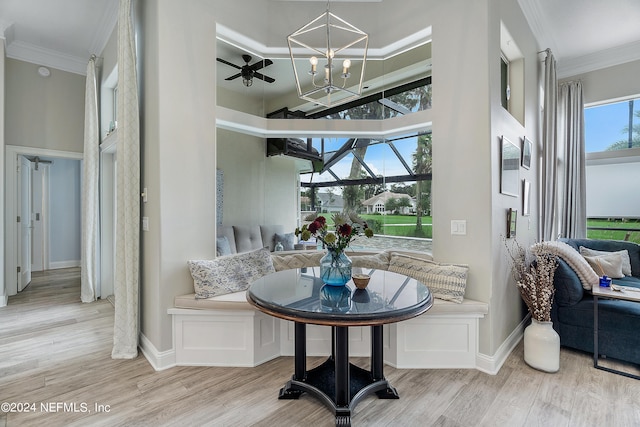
[(222, 246)]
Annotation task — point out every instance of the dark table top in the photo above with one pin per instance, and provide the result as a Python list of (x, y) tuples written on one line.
[(300, 295)]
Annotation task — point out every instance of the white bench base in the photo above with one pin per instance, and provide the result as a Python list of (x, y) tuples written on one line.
[(224, 337), (444, 337)]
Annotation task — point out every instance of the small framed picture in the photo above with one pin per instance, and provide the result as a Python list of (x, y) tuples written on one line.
[(526, 197), (510, 170), (512, 220), (527, 146)]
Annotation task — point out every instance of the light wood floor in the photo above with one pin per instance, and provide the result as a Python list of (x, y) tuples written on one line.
[(55, 349)]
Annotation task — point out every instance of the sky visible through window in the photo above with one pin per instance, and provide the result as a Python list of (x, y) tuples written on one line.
[(607, 124), (379, 157)]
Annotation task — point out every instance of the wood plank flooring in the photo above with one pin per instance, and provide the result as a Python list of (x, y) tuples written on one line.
[(55, 350)]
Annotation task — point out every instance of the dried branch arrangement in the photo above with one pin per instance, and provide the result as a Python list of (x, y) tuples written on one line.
[(533, 274)]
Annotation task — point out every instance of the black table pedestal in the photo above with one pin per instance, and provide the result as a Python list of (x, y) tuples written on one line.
[(337, 383)]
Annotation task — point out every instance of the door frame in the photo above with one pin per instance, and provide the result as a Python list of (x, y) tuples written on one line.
[(12, 153)]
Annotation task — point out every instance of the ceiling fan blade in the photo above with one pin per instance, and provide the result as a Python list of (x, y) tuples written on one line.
[(229, 63), (235, 76), (263, 77), (261, 64)]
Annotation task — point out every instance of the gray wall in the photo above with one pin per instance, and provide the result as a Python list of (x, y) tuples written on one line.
[(44, 112)]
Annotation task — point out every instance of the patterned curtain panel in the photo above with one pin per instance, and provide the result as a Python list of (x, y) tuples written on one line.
[(549, 172), (90, 217), (126, 292)]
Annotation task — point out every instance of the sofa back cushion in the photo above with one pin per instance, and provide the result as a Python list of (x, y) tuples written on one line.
[(248, 238), (611, 246)]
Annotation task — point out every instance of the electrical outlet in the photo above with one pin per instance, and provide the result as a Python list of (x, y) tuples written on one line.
[(145, 223)]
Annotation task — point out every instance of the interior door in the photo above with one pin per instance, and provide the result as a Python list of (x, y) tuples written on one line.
[(25, 223)]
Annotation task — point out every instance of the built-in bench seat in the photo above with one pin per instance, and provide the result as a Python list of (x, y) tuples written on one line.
[(227, 331)]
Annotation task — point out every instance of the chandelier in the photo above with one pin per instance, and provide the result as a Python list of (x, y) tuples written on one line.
[(325, 53)]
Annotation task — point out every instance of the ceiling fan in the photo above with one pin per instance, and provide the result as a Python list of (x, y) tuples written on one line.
[(248, 72)]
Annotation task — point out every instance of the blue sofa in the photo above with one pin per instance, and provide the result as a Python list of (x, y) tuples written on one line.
[(619, 321)]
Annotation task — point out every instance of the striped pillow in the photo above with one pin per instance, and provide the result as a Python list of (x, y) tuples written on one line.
[(445, 281)]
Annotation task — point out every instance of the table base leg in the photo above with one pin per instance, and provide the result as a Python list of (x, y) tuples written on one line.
[(338, 384)]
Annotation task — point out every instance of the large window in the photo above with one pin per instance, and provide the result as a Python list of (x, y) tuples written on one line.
[(612, 126), (612, 144), (387, 181)]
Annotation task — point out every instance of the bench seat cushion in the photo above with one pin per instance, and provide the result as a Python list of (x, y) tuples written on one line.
[(234, 301)]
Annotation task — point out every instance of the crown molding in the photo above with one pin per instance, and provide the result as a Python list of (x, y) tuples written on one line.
[(603, 59), (28, 52), (49, 58), (255, 48), (543, 34), (105, 28)]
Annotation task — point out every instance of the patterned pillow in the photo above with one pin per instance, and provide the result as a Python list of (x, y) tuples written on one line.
[(379, 261), (297, 260), (445, 281), (225, 275)]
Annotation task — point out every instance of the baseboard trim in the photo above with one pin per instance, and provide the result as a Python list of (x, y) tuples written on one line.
[(64, 264), (492, 364), (159, 360)]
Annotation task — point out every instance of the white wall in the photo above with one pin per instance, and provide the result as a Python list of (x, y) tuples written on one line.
[(64, 234), (178, 153), (612, 190)]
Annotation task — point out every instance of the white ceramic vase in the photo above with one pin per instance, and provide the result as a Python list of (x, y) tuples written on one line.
[(542, 346)]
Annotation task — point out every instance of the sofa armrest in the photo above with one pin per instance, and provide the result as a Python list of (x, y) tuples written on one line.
[(569, 290)]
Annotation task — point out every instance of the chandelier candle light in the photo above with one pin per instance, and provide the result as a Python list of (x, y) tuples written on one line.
[(328, 41)]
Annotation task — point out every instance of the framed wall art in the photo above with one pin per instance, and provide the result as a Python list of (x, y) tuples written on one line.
[(510, 168), (512, 221), (526, 197), (527, 147)]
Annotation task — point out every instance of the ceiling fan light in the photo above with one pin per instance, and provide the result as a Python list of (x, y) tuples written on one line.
[(247, 82)]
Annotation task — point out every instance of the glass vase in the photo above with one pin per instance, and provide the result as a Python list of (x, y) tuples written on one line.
[(335, 268), (335, 298)]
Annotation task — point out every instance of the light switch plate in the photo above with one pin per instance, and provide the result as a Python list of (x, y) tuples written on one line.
[(145, 223), (459, 227)]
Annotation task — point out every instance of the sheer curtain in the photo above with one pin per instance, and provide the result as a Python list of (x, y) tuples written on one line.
[(572, 202), (91, 164), (126, 292), (548, 169)]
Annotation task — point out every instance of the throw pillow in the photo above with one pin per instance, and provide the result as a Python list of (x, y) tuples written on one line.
[(626, 260), (222, 246), (296, 260), (286, 240), (609, 265), (379, 261), (445, 281), (229, 274)]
